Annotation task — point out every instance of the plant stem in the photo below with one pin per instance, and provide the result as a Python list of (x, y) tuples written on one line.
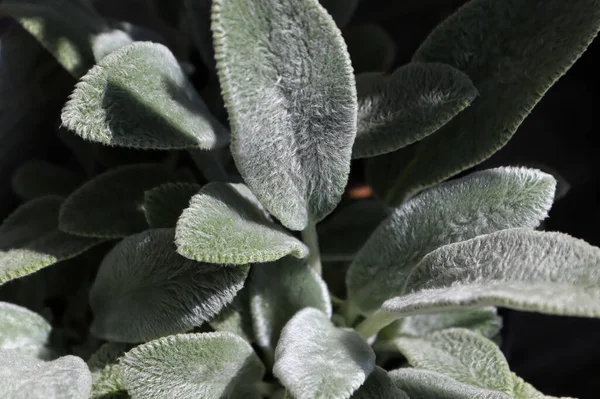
[(310, 238), (350, 312), (374, 323), (265, 388)]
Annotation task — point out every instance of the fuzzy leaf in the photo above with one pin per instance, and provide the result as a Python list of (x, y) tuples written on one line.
[(63, 27), (164, 204), (226, 224), (236, 317), (23, 331), (145, 290), (138, 97), (480, 203), (35, 179), (280, 289), (315, 359), (340, 10), (213, 365), (371, 48), (379, 386), (513, 51), (30, 239), (24, 377), (289, 90), (106, 378), (412, 103), (112, 204), (518, 268)]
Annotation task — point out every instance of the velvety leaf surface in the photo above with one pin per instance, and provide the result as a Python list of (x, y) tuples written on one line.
[(412, 103), (111, 205), (24, 377), (63, 27), (36, 178), (371, 48), (30, 239), (145, 290), (480, 203), (106, 378), (164, 204), (517, 268), (280, 289), (289, 90), (226, 224), (236, 317), (139, 97), (340, 10), (316, 359), (212, 365), (513, 51), (23, 331), (379, 386)]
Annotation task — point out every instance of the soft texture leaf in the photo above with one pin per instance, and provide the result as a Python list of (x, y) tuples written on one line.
[(521, 269), (379, 386), (289, 90), (316, 359), (280, 289), (111, 204), (138, 97), (236, 317), (226, 224), (23, 331), (340, 10), (30, 239), (24, 377), (36, 178), (105, 369), (371, 48), (163, 205), (212, 365), (480, 203), (412, 103), (145, 290), (63, 27), (513, 51)]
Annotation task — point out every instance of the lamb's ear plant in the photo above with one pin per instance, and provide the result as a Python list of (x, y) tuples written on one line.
[(219, 289)]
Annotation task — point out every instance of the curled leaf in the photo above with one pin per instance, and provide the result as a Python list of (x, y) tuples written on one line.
[(163, 205)]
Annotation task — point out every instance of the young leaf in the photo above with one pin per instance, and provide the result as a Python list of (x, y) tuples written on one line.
[(412, 103), (138, 97), (480, 203), (340, 10), (63, 27), (280, 289), (106, 378), (23, 331), (379, 386), (35, 179), (371, 48), (226, 224), (212, 365), (518, 268), (164, 204), (513, 51), (26, 377), (145, 290), (315, 359), (30, 239), (289, 90), (111, 204)]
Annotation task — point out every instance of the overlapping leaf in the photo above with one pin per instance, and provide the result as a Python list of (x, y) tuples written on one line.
[(105, 369), (236, 317), (38, 178), (379, 386), (23, 331), (164, 204), (291, 100)]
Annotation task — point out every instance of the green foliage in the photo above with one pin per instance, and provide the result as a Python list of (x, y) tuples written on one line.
[(163, 205), (105, 369)]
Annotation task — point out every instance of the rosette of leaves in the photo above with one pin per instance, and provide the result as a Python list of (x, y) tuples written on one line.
[(217, 289)]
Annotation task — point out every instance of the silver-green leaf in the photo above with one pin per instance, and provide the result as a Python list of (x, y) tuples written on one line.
[(105, 369), (480, 203), (316, 359), (23, 331), (379, 386), (191, 366), (163, 205), (145, 290), (226, 224), (139, 97), (289, 89), (517, 268), (36, 178)]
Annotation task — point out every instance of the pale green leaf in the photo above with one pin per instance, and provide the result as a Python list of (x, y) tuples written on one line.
[(480, 203), (112, 204), (105, 369), (236, 317), (371, 48), (145, 290), (513, 51), (289, 89), (379, 386), (412, 103), (280, 289), (212, 365), (517, 268), (226, 224), (24, 377), (30, 239), (23, 331), (164, 204), (36, 178), (138, 97), (340, 10), (316, 359)]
